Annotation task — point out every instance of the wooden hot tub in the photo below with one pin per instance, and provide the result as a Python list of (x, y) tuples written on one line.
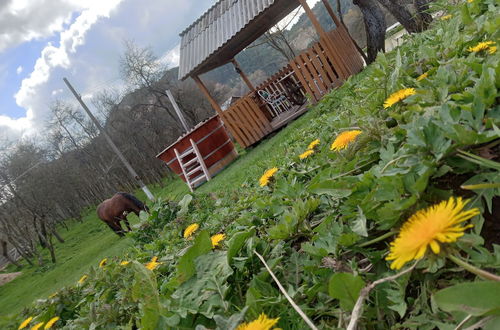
[(214, 145)]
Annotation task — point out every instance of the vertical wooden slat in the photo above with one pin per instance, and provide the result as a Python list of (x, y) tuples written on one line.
[(248, 122), (326, 65), (234, 132), (307, 74), (323, 81), (228, 114), (251, 117), (302, 79)]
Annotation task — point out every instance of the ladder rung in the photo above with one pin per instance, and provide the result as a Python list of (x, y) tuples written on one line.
[(187, 152), (201, 177), (191, 161), (196, 169)]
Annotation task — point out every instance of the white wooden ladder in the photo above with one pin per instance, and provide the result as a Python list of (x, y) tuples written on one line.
[(193, 166)]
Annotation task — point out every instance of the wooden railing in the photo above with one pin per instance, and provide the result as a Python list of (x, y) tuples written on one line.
[(246, 121), (317, 70)]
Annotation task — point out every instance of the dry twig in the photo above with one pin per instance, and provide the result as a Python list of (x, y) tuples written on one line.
[(358, 307), (290, 300)]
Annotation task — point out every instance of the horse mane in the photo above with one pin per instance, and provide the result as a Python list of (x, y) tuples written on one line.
[(134, 200)]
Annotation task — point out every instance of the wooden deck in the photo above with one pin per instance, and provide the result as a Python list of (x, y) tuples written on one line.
[(285, 117)]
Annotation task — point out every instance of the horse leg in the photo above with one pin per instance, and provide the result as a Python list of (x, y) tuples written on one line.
[(116, 228), (127, 223)]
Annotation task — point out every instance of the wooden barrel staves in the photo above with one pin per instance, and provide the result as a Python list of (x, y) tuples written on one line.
[(213, 142)]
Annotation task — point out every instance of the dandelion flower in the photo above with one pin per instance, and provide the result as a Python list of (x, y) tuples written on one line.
[(398, 96), (306, 154), (470, 1), (37, 326), (266, 177), (446, 17), (423, 76), (51, 322), (25, 323), (190, 230), (439, 223), (216, 239), (153, 264), (124, 263), (343, 139), (484, 45), (261, 323), (313, 144), (492, 50), (103, 262), (53, 295), (82, 279)]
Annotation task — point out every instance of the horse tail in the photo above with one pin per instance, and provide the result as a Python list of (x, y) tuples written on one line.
[(134, 200)]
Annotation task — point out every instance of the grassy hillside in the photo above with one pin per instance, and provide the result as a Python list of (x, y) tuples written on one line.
[(86, 244), (400, 190)]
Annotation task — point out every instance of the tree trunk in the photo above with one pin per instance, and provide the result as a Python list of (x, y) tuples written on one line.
[(402, 14), (423, 17), (375, 27), (5, 253)]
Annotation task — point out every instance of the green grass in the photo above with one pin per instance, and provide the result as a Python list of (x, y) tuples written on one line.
[(86, 244)]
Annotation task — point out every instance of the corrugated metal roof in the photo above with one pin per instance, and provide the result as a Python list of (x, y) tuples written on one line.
[(225, 29)]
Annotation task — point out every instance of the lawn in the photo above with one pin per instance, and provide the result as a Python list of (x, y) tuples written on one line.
[(86, 244)]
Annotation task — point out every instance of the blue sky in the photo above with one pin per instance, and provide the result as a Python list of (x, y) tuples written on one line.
[(42, 41)]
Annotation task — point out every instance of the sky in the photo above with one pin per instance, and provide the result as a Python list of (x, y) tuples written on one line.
[(42, 41)]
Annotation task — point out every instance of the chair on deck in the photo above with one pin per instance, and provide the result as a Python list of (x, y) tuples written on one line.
[(277, 101)]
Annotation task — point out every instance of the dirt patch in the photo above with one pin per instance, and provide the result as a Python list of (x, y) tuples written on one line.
[(6, 278)]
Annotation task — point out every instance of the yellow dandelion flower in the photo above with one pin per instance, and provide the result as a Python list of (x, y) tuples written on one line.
[(25, 323), (306, 154), (343, 140), (492, 50), (190, 230), (446, 17), (103, 262), (261, 323), (313, 144), (423, 76), (153, 264), (440, 223), (398, 96), (53, 295), (51, 322), (266, 177), (124, 263), (484, 45), (216, 239), (82, 279), (470, 1), (37, 326)]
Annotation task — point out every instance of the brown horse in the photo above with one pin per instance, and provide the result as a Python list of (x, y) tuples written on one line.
[(116, 209)]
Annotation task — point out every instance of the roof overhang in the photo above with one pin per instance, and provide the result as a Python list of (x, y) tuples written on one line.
[(225, 30)]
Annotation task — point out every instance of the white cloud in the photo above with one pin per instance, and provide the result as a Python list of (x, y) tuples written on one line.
[(52, 57), (171, 57), (19, 69)]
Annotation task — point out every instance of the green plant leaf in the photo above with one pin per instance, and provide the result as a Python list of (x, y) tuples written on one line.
[(186, 267), (345, 287), (236, 243), (474, 298), (359, 225), (184, 204)]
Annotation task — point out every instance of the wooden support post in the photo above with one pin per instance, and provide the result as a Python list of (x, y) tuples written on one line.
[(242, 75), (205, 91), (340, 24), (339, 66)]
